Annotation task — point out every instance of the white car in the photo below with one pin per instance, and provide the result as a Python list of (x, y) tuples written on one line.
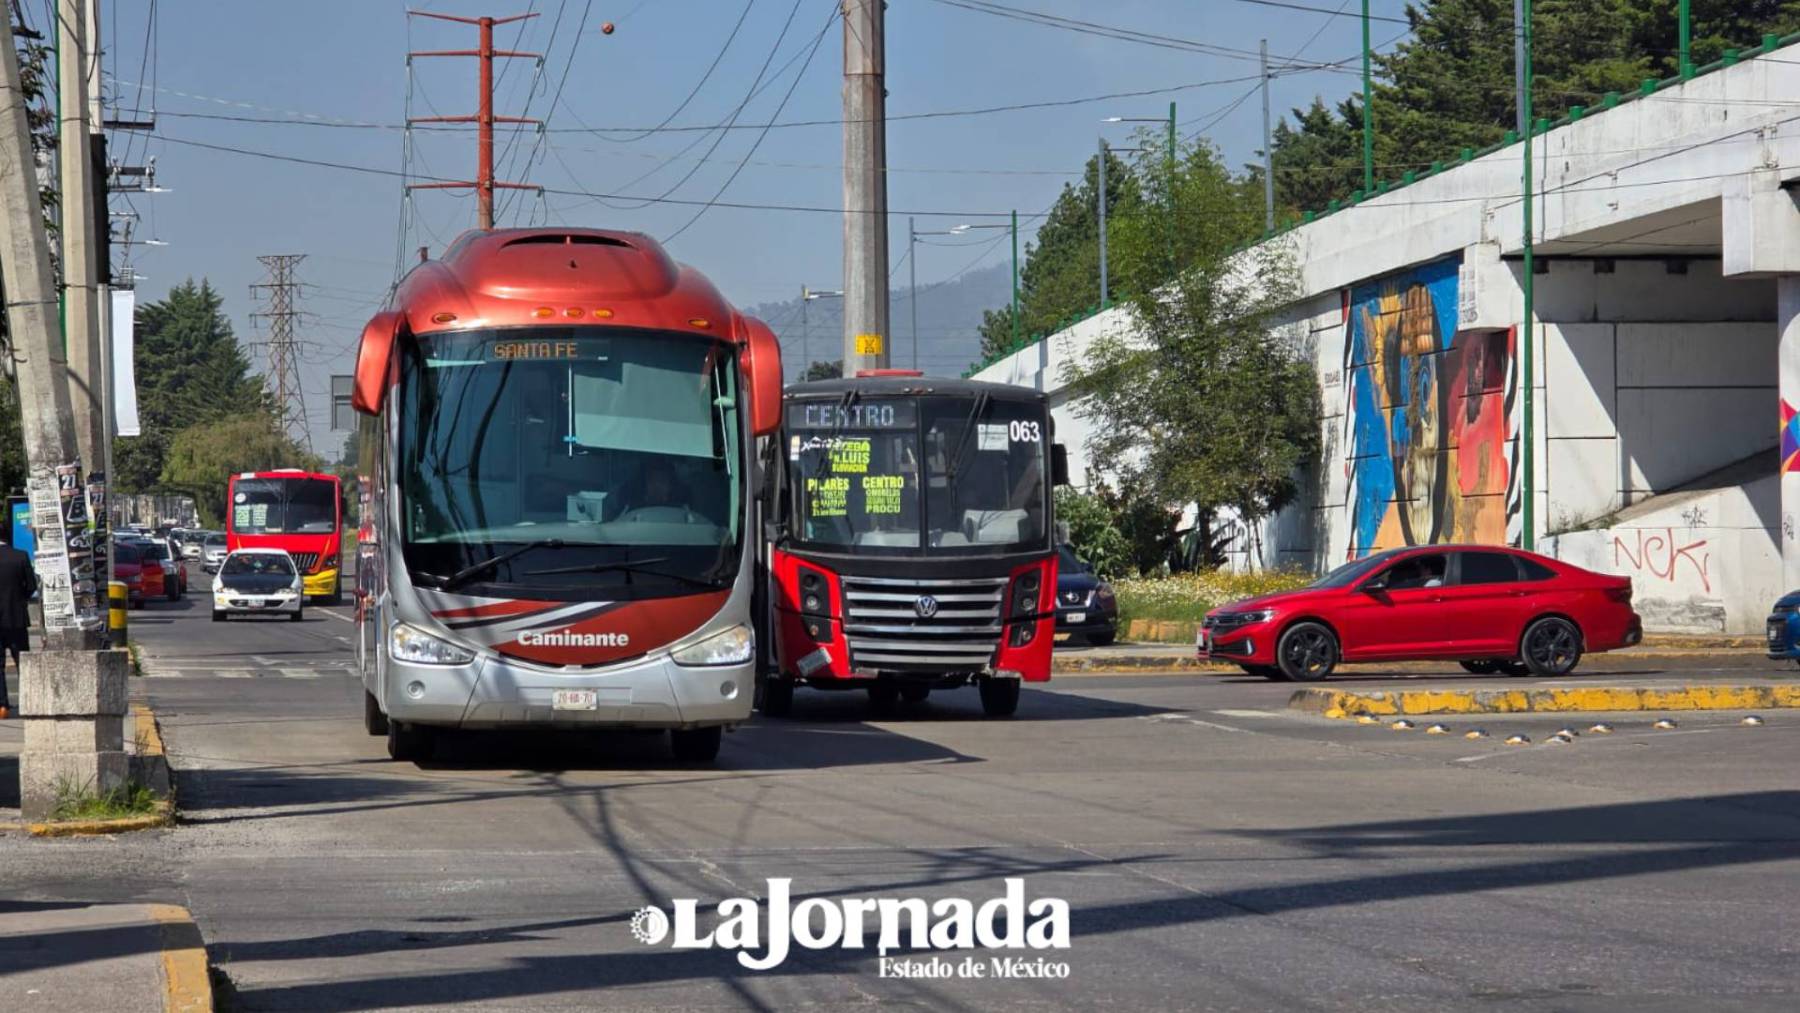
[(252, 581), (212, 553)]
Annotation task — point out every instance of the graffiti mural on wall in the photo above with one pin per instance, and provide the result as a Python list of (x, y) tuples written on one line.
[(1428, 417), (1790, 438)]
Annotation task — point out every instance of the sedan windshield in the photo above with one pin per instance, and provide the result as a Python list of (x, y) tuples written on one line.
[(1355, 570), (258, 563), (584, 448)]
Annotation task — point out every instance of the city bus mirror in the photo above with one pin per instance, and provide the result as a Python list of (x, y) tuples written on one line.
[(1059, 464), (761, 362), (373, 358)]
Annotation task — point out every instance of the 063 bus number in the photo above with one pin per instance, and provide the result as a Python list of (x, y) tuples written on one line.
[(1023, 431)]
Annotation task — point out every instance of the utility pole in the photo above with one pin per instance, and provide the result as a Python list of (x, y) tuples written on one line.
[(912, 284), (865, 187), (101, 467), (72, 694), (284, 362), (1528, 334), (1368, 111), (81, 312), (1100, 192), (1268, 150), (484, 119), (1685, 14)]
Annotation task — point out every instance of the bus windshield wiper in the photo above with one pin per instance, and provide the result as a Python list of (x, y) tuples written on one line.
[(850, 399), (628, 568), (464, 575), (976, 411)]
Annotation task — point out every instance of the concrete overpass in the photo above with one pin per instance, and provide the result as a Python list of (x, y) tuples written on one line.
[(1666, 340)]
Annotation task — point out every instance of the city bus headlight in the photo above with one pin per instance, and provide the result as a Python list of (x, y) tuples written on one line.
[(409, 643), (728, 647)]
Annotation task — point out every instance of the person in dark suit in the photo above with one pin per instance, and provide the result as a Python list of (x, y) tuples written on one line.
[(18, 582)]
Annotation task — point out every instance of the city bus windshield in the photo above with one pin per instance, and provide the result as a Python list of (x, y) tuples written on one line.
[(290, 506), (940, 475), (587, 448)]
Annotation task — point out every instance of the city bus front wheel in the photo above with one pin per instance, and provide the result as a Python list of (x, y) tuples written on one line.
[(777, 696), (999, 697)]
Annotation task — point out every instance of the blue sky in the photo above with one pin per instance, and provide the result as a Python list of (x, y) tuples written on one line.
[(344, 61)]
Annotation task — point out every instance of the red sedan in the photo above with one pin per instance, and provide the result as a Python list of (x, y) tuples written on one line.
[(1492, 609)]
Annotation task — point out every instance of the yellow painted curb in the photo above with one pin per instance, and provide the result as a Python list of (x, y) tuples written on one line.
[(163, 816), (1340, 703), (187, 986), (148, 733)]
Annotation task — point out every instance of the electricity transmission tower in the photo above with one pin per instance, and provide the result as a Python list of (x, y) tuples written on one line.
[(278, 293)]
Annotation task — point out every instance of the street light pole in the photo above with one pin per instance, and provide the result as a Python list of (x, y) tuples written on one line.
[(912, 284), (1268, 151), (1528, 538), (1015, 301), (1101, 191)]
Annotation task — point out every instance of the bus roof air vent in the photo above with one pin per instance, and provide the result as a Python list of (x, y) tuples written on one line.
[(565, 239)]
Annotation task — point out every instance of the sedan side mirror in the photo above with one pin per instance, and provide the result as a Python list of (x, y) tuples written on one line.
[(1375, 585)]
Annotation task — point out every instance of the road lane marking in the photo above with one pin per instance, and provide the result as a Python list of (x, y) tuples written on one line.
[(339, 616)]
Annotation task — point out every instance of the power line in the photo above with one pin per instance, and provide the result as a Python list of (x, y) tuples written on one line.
[(1103, 31), (1339, 13), (695, 90), (375, 171), (801, 73)]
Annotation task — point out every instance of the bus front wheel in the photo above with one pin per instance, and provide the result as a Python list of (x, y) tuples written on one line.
[(696, 745), (999, 697), (374, 722)]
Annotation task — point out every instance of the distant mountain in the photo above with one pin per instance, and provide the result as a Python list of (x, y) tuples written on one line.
[(949, 316)]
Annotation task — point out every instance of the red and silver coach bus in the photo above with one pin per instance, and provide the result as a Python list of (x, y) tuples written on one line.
[(295, 510), (558, 435), (911, 545)]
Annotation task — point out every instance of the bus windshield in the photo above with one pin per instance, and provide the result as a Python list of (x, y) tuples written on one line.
[(940, 475), (617, 448), (278, 506)]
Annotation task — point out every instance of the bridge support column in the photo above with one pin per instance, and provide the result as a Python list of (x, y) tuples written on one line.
[(1788, 373)]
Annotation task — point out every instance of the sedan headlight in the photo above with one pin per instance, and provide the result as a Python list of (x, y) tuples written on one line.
[(727, 647), (1256, 616), (409, 643)]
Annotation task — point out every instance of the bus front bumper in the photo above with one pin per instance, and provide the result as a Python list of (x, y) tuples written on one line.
[(323, 584), (496, 692)]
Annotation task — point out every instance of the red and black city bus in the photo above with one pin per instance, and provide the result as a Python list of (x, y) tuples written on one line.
[(911, 539)]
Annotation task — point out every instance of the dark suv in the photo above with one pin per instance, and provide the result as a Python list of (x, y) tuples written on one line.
[(1085, 606)]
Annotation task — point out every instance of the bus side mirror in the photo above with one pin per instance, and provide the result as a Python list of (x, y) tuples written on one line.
[(374, 357), (761, 364), (1059, 464)]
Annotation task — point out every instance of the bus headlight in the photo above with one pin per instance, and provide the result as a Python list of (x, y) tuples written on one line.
[(727, 647), (409, 643)]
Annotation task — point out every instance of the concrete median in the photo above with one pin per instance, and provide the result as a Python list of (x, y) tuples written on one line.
[(1335, 703)]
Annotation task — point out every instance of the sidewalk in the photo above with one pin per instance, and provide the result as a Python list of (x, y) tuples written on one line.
[(71, 956)]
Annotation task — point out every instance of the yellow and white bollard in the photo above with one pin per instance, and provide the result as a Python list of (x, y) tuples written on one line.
[(118, 599)]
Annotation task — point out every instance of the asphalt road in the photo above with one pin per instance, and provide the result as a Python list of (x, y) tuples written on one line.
[(1215, 850)]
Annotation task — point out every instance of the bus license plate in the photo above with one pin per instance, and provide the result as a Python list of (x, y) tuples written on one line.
[(575, 700)]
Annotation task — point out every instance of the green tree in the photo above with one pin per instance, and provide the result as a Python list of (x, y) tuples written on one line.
[(1091, 532), (1450, 85), (202, 457), (1210, 407), (1060, 275), (823, 370), (190, 369)]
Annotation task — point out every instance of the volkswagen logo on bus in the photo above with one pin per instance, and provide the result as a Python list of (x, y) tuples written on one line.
[(926, 606)]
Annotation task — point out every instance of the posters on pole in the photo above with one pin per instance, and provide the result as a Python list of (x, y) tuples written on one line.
[(99, 536), (52, 560)]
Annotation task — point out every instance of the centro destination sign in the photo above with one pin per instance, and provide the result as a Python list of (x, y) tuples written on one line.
[(858, 415)]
